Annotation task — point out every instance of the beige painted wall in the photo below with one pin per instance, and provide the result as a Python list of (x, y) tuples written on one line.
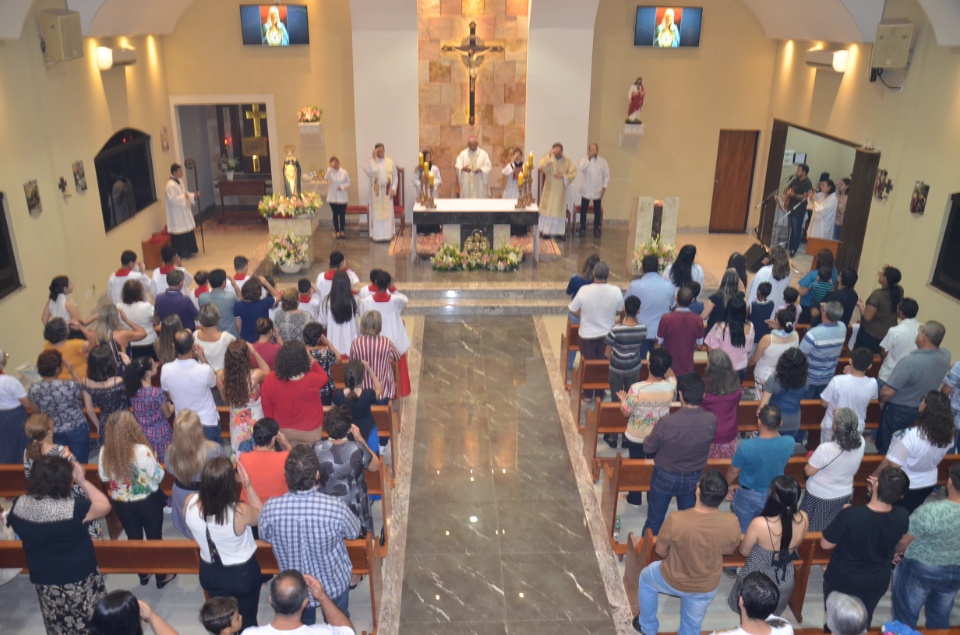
[(919, 133), (53, 117), (823, 155), (200, 60), (691, 95)]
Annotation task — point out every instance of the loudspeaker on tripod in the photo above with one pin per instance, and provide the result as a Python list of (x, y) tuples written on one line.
[(754, 257)]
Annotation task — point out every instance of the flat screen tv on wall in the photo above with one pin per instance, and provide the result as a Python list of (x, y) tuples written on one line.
[(668, 26), (274, 24)]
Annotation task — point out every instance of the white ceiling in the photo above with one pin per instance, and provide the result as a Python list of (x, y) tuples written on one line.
[(828, 20)]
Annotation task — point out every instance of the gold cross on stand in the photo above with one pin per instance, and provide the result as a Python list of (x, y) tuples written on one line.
[(472, 50), (256, 116)]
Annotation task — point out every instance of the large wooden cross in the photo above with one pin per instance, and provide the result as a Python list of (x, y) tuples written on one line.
[(257, 147), (472, 51)]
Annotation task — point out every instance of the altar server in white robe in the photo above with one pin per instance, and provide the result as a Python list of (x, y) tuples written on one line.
[(510, 173), (180, 222), (473, 169), (325, 279), (434, 170), (824, 208), (560, 173), (390, 305), (382, 172)]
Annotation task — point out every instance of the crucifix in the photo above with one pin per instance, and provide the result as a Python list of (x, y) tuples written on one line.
[(256, 143), (472, 51)]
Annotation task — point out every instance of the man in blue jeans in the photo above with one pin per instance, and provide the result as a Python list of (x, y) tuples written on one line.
[(681, 442), (756, 463), (692, 545)]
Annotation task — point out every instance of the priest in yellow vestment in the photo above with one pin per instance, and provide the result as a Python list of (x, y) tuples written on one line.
[(560, 173)]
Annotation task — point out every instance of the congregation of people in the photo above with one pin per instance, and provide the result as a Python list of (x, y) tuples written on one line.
[(780, 344), (167, 346)]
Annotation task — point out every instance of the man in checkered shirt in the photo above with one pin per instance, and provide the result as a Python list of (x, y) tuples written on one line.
[(307, 530)]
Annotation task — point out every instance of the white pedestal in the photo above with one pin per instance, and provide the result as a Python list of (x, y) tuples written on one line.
[(668, 222), (451, 234), (501, 235), (630, 135), (301, 226), (311, 135)]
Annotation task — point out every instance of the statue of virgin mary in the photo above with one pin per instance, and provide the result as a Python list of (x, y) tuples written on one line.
[(291, 174)]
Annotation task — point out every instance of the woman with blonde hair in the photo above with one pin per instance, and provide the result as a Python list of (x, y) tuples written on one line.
[(129, 466), (379, 353), (240, 387), (169, 327), (111, 330), (39, 431), (188, 453)]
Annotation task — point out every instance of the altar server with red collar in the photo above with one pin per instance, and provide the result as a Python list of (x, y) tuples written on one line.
[(240, 276), (370, 289), (309, 301), (390, 305), (325, 279), (171, 261), (130, 269), (200, 278)]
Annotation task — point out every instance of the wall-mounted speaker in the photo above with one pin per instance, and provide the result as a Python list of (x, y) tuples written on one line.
[(61, 31), (891, 49)]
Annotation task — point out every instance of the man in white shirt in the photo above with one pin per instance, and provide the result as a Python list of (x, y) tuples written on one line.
[(758, 600), (853, 389), (900, 340), (171, 261), (188, 379), (130, 269), (473, 169), (596, 176), (288, 598), (597, 306)]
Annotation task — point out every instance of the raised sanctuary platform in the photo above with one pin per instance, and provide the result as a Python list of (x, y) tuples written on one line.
[(460, 217)]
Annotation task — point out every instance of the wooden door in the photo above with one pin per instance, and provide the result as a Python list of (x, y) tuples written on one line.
[(733, 180)]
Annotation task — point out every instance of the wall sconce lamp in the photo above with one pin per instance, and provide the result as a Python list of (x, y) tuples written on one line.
[(827, 59)]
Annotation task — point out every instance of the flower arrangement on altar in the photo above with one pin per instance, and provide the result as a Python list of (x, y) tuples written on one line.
[(309, 114), (228, 163), (289, 249), (654, 246), (453, 258), (280, 206)]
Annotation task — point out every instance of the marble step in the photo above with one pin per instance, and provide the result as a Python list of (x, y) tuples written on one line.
[(487, 306), (493, 293)]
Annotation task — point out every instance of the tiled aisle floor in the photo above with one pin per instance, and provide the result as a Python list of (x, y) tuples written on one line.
[(496, 539)]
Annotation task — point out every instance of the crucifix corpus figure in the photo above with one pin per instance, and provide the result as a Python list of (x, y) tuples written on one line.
[(472, 51)]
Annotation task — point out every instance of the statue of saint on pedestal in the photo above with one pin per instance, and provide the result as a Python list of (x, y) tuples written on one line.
[(291, 174), (636, 94)]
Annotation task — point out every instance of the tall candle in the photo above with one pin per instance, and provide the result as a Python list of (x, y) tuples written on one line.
[(520, 179), (421, 158)]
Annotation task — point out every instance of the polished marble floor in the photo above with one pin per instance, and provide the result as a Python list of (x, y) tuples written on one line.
[(497, 540)]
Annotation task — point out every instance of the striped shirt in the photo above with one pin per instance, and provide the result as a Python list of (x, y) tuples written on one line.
[(819, 290), (823, 344), (625, 343), (307, 530), (379, 352)]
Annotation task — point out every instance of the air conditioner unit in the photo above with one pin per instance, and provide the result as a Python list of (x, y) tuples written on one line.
[(61, 32), (828, 59), (891, 49), (124, 56)]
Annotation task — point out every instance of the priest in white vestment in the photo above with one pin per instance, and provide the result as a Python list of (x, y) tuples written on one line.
[(473, 169), (180, 222), (824, 208), (382, 172), (560, 173)]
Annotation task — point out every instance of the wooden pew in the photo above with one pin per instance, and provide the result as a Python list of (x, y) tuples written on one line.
[(811, 414), (642, 552), (591, 374), (183, 556), (569, 343), (605, 418), (634, 475), (14, 483)]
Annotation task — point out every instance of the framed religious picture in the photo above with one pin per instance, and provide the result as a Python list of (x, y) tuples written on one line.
[(32, 192), (164, 139), (918, 202), (79, 177)]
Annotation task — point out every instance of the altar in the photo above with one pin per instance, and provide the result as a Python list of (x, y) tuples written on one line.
[(460, 217)]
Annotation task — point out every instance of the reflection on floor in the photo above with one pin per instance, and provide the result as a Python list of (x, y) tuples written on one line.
[(496, 539)]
